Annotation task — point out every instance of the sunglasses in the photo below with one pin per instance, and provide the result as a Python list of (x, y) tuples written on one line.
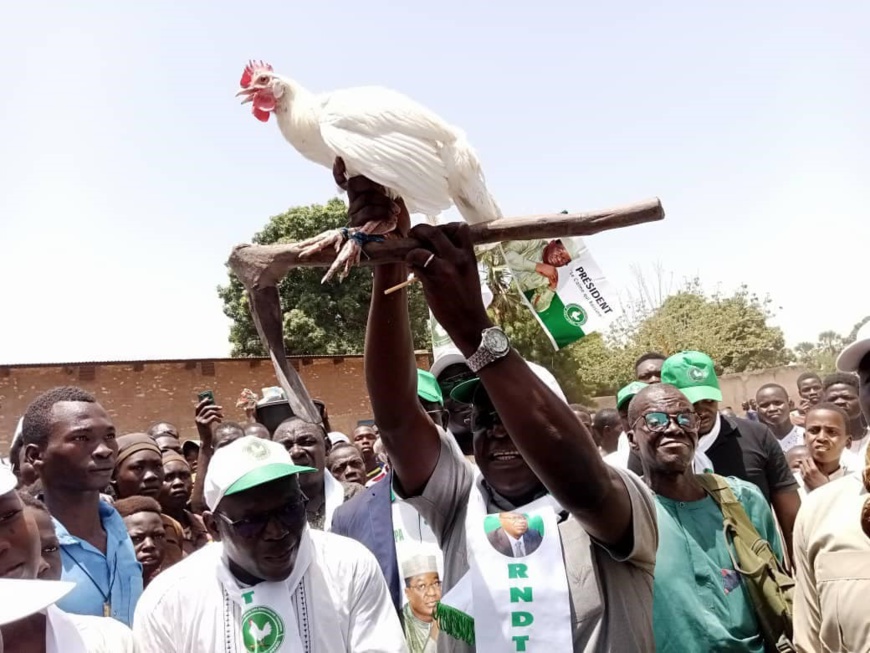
[(289, 516), (659, 422)]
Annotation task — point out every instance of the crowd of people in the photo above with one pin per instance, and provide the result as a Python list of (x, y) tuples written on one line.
[(478, 511)]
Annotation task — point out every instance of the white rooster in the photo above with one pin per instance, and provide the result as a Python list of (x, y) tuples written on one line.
[(382, 135)]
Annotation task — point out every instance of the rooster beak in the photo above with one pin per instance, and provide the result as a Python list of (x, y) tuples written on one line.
[(249, 93)]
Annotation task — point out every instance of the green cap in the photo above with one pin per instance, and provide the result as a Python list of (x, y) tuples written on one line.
[(428, 388), (693, 373), (464, 392), (627, 393)]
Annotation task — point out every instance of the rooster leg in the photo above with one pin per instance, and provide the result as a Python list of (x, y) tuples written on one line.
[(331, 238), (349, 254)]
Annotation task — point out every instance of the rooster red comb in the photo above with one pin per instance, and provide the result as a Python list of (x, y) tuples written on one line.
[(250, 69)]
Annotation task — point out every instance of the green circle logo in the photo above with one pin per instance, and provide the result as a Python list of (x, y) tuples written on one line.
[(697, 374), (262, 630), (575, 315)]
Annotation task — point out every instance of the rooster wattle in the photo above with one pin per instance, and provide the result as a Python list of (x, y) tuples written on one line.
[(382, 135)]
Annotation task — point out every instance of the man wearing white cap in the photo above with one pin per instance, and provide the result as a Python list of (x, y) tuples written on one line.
[(28, 619), (269, 583), (422, 591), (832, 544)]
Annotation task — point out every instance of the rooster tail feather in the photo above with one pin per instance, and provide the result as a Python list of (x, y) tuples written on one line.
[(466, 182)]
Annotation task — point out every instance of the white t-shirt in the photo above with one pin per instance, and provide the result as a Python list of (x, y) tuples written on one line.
[(794, 438), (182, 610), (619, 458)]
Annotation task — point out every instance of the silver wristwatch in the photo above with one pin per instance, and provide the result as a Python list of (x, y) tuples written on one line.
[(494, 344)]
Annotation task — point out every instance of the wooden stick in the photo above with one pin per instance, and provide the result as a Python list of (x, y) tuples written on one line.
[(265, 265), (411, 279), (261, 267)]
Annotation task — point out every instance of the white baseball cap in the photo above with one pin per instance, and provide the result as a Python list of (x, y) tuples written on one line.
[(8, 480), (22, 598), (450, 356), (244, 464), (850, 358), (464, 392), (337, 436)]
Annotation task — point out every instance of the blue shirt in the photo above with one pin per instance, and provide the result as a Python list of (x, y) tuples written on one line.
[(114, 578), (700, 602)]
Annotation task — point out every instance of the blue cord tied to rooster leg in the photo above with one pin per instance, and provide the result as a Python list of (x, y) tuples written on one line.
[(361, 238)]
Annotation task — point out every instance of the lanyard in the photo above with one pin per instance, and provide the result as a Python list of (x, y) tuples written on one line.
[(107, 596)]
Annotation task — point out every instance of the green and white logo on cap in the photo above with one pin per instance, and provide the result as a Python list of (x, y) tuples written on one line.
[(262, 630), (693, 373), (697, 374)]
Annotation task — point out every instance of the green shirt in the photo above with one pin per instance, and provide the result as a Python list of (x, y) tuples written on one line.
[(700, 602)]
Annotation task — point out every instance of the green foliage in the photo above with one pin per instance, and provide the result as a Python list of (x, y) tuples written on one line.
[(821, 356), (328, 319), (732, 329)]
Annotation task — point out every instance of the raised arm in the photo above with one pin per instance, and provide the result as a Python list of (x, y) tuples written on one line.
[(409, 436), (558, 448)]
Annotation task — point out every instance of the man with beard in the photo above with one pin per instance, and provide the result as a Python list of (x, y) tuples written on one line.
[(701, 602), (598, 553), (832, 544), (306, 444), (70, 441), (270, 582)]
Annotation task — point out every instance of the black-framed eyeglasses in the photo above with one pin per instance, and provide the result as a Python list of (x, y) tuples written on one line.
[(289, 516), (657, 422), (439, 416)]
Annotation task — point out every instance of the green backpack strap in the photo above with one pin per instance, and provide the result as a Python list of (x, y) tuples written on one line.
[(770, 588)]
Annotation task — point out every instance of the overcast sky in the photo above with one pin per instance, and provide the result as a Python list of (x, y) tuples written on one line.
[(128, 170)]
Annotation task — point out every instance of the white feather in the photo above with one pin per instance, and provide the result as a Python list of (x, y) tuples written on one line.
[(393, 141)]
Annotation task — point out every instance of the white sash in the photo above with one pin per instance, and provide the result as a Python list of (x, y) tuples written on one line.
[(269, 617), (333, 497), (62, 636), (702, 463), (515, 602)]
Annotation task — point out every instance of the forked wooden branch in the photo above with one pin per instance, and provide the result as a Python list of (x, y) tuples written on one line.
[(258, 266), (261, 267)]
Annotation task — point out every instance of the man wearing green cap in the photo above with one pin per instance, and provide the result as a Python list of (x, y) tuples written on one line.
[(731, 446), (620, 457), (594, 566), (269, 583)]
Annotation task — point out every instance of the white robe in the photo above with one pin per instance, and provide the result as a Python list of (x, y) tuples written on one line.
[(182, 610)]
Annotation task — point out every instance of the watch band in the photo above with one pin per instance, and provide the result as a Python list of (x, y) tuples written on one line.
[(494, 344)]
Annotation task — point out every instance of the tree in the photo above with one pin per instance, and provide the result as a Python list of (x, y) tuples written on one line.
[(328, 319), (821, 356), (732, 329)]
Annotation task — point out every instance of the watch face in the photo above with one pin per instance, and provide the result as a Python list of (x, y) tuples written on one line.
[(496, 341)]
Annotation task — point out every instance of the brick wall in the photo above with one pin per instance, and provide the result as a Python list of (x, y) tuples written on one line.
[(137, 393)]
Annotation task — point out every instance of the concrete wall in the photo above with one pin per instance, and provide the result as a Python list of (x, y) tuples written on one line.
[(138, 393), (737, 388)]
